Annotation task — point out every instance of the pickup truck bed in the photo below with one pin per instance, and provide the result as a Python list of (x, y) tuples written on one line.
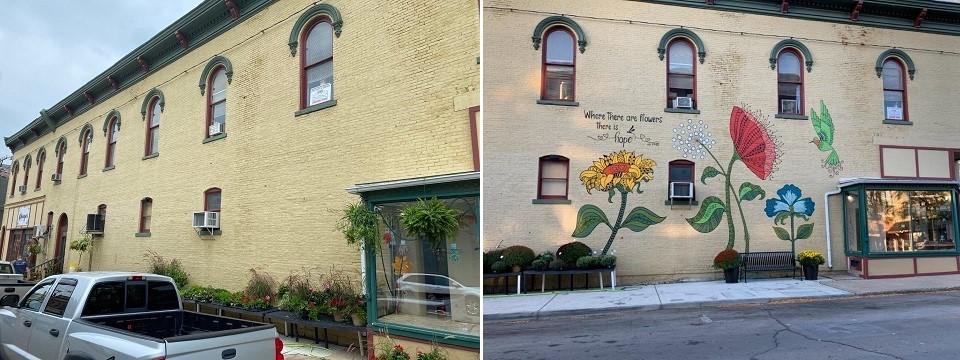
[(175, 325)]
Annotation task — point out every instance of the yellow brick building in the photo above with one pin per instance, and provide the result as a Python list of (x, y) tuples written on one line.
[(403, 104), (652, 78)]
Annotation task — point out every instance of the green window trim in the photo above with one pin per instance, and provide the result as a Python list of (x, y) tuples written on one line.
[(899, 54), (468, 188), (106, 120), (326, 10), (863, 240), (791, 43), (684, 33), (559, 21), (213, 63), (154, 93), (83, 130), (61, 144)]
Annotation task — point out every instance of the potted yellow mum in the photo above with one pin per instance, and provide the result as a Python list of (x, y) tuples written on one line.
[(810, 261)]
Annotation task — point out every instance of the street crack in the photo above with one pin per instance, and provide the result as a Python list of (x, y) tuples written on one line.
[(788, 329)]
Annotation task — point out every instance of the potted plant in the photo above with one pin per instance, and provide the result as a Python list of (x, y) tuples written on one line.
[(81, 246), (34, 248), (729, 261), (360, 227), (810, 261), (359, 313), (432, 220), (517, 257)]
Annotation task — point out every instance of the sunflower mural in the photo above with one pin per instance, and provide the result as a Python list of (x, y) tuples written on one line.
[(621, 173), (755, 145)]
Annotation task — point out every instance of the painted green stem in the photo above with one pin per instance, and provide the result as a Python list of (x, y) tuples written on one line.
[(793, 237), (729, 186), (616, 226), (730, 229)]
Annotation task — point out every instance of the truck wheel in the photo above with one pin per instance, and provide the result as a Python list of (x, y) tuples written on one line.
[(472, 305)]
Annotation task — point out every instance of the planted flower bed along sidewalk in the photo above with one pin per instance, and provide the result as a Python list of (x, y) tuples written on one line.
[(570, 260)]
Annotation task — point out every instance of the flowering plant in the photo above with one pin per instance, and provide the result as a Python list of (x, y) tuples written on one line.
[(811, 257), (789, 205), (727, 259), (755, 145), (620, 172), (395, 353)]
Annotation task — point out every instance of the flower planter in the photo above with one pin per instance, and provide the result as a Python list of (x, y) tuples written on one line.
[(338, 317), (357, 321), (810, 271), (731, 275)]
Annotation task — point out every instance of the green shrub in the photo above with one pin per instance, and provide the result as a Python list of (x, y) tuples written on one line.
[(588, 262), (500, 267), (260, 286), (518, 255), (174, 269), (608, 261), (539, 264), (546, 256), (491, 257), (556, 265), (571, 252)]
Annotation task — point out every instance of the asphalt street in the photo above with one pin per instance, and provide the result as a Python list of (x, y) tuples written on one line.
[(915, 326)]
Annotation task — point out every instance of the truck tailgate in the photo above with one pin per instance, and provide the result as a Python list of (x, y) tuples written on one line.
[(241, 344)]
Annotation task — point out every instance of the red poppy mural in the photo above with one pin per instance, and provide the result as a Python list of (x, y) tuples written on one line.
[(755, 145)]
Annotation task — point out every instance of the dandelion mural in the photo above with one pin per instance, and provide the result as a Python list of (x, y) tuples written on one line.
[(790, 205), (621, 173), (755, 145)]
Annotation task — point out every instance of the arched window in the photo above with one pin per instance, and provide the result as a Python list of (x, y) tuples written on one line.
[(894, 90), (559, 65), (211, 200), (41, 158), (316, 63), (217, 102), (146, 214), (553, 177), (790, 82), (60, 151), (680, 180), (112, 130), (14, 171), (681, 74), (27, 163), (86, 138), (152, 143)]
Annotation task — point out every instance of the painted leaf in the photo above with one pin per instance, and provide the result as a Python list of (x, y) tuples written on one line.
[(749, 191), (611, 192), (708, 172), (588, 218), (781, 233), (781, 218), (709, 216), (640, 218), (804, 231)]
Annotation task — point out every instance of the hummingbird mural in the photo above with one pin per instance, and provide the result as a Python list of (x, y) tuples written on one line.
[(823, 126)]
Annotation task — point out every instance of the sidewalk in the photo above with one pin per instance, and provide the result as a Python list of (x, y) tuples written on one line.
[(695, 294)]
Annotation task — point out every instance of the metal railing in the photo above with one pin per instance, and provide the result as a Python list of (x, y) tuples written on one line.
[(50, 267)]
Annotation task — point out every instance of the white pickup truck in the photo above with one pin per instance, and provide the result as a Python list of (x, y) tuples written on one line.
[(123, 316), (12, 284)]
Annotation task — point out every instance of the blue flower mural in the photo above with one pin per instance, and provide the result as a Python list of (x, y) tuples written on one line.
[(791, 205)]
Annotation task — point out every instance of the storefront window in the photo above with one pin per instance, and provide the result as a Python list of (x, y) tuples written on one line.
[(906, 221), (852, 220), (427, 286)]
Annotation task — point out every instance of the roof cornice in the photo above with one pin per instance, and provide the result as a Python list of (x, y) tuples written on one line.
[(206, 21)]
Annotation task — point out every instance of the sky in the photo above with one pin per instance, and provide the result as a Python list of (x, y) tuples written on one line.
[(50, 48)]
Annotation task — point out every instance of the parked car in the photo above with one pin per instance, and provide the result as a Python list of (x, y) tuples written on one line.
[(123, 316), (11, 283), (439, 291)]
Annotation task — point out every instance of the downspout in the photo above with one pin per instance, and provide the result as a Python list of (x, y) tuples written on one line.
[(826, 218)]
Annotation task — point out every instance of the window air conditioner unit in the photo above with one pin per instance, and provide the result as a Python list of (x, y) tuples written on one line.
[(40, 231), (788, 107), (683, 102), (206, 220), (22, 188), (94, 224), (681, 190), (216, 129), (55, 178)]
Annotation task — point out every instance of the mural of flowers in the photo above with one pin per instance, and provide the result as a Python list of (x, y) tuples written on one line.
[(823, 126), (688, 137), (619, 172), (758, 148), (791, 206)]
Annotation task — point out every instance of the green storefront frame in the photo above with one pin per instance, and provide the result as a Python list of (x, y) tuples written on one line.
[(863, 238), (467, 188)]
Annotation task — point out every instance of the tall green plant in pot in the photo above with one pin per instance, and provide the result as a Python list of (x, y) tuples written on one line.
[(432, 220), (359, 226), (81, 245)]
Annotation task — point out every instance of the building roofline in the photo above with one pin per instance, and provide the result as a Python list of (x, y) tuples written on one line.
[(201, 24), (418, 181)]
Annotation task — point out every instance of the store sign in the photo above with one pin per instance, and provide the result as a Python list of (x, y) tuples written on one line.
[(621, 128), (23, 216), (320, 93)]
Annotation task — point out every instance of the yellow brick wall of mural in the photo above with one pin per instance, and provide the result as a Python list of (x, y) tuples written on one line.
[(620, 81), (404, 78)]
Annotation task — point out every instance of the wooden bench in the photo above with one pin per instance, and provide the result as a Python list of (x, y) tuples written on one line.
[(767, 261)]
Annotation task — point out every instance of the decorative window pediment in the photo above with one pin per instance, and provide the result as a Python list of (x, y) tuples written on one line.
[(106, 121), (562, 21), (684, 33), (317, 10), (154, 93), (791, 43), (212, 64), (900, 54)]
